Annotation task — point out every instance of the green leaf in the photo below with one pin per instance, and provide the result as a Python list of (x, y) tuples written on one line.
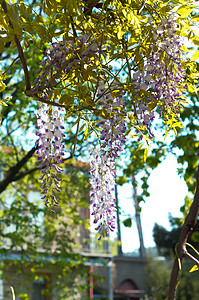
[(195, 19), (195, 41), (29, 29), (2, 43), (127, 222), (152, 105), (195, 55), (3, 101), (120, 33), (41, 31), (184, 48), (145, 154), (140, 146), (2, 86), (82, 127), (121, 180), (71, 6), (66, 99), (185, 10), (195, 268), (191, 88)]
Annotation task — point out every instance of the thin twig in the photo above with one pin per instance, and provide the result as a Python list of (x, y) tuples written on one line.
[(90, 7), (19, 49), (73, 26), (192, 258), (142, 7), (192, 247), (12, 142), (11, 64), (129, 71), (75, 143), (5, 137)]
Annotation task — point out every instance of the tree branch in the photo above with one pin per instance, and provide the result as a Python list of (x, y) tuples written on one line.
[(11, 174), (11, 64), (23, 174), (90, 6), (74, 146), (19, 49), (187, 228)]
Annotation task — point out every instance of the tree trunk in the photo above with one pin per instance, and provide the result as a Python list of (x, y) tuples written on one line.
[(138, 219), (119, 247), (187, 228)]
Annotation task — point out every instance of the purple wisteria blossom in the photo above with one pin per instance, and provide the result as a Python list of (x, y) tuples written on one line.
[(50, 151), (157, 82), (102, 161), (102, 181), (60, 58), (162, 78), (113, 128)]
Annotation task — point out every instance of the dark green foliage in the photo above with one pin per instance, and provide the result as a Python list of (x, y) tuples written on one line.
[(158, 274), (166, 240)]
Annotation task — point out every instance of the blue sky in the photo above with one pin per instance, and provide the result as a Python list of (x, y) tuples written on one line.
[(167, 193)]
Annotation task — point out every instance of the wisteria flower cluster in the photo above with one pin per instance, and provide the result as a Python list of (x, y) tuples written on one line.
[(102, 181), (113, 128), (159, 83), (50, 151), (102, 161), (60, 58), (162, 76)]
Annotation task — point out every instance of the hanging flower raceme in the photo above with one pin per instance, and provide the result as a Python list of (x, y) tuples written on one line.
[(102, 181), (113, 128), (158, 83), (161, 80), (50, 151), (102, 161), (167, 74), (60, 58)]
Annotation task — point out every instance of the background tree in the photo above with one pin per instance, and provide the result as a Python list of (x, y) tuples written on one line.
[(42, 240), (157, 274), (166, 240)]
